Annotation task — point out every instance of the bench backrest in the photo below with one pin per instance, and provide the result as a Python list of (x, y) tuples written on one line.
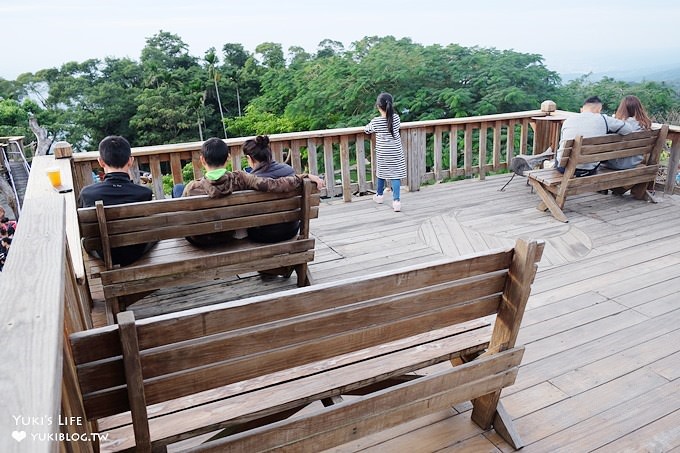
[(103, 227), (188, 352), (613, 146)]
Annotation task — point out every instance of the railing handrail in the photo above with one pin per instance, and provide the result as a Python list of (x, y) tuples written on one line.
[(5, 161), (303, 135), (32, 313), (20, 152)]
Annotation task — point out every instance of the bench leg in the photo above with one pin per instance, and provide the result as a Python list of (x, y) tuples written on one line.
[(304, 277), (548, 201), (638, 191), (112, 310), (641, 192), (505, 427), (488, 411)]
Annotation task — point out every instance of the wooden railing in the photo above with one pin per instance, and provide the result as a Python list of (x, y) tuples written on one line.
[(40, 303), (673, 160), (481, 144)]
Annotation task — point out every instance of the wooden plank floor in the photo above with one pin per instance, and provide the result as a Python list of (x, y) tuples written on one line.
[(601, 370)]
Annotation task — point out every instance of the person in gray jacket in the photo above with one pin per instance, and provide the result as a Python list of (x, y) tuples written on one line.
[(590, 123), (262, 164)]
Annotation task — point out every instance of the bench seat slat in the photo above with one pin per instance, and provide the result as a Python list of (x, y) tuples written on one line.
[(479, 326), (382, 410), (375, 365), (218, 271), (148, 267)]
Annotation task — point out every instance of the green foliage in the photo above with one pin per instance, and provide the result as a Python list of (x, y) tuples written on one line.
[(659, 99), (337, 88), (12, 115), (257, 122), (187, 175), (170, 96)]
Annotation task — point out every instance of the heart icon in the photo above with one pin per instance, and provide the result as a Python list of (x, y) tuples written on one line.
[(19, 435)]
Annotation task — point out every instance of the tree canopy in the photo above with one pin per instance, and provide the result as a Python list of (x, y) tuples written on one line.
[(170, 96)]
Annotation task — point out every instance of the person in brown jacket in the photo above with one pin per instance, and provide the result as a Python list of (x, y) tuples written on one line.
[(218, 182)]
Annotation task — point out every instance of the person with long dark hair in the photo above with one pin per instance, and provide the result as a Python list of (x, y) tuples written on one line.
[(391, 164), (260, 159)]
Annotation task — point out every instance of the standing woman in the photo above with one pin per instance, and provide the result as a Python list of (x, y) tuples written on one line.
[(391, 164)]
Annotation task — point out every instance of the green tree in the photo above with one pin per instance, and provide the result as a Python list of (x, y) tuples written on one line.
[(235, 60), (214, 75), (171, 99), (271, 54)]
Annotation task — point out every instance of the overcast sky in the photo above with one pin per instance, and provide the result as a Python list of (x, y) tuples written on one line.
[(572, 36)]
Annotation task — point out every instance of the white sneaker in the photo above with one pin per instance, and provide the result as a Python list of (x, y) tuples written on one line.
[(378, 198), (396, 205)]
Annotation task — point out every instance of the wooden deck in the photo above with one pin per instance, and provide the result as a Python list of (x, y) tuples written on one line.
[(601, 370)]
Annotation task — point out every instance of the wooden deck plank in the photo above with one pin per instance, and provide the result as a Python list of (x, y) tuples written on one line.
[(568, 360), (650, 354), (660, 435), (602, 428), (546, 430)]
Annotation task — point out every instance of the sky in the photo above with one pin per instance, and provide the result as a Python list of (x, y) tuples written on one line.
[(572, 36)]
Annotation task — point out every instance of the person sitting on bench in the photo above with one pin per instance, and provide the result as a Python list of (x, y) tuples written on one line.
[(589, 123), (115, 157), (262, 163)]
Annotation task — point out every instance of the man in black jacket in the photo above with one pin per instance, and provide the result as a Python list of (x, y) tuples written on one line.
[(115, 156)]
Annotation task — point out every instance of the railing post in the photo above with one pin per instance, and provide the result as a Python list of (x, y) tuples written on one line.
[(62, 150), (344, 169), (546, 128), (414, 148), (673, 162)]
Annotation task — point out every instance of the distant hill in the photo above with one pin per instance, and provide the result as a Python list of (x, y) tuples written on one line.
[(670, 75)]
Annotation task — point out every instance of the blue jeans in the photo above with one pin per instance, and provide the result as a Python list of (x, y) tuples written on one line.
[(396, 187), (177, 190)]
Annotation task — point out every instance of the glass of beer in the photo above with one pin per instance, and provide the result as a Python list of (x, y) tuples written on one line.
[(55, 176)]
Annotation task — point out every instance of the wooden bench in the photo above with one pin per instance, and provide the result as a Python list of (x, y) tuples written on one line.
[(174, 261), (241, 369), (554, 187)]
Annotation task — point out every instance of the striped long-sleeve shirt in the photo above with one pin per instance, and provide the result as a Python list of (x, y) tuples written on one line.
[(391, 163)]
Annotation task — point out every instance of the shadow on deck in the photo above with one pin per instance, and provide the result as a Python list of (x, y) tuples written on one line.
[(601, 330)]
